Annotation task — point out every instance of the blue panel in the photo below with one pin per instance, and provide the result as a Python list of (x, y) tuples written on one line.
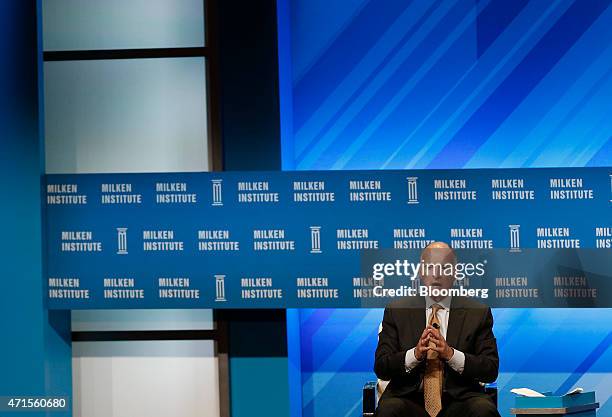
[(35, 352), (254, 379), (122, 24), (449, 84), (524, 84)]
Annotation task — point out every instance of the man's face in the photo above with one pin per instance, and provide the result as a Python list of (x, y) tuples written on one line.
[(436, 273)]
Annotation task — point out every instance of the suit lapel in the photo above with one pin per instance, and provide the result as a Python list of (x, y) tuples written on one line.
[(455, 322), (417, 319)]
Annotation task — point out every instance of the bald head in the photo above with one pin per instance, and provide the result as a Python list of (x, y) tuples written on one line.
[(435, 258), (438, 252)]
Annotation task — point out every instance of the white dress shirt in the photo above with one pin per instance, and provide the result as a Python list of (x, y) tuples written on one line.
[(457, 361)]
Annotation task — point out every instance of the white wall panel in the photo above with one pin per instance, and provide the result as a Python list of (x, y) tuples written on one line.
[(121, 24), (126, 115), (145, 379)]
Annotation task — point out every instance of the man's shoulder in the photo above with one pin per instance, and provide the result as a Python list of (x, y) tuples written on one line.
[(407, 302), (468, 303), (419, 303)]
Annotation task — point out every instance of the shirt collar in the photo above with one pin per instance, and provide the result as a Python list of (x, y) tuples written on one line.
[(446, 302)]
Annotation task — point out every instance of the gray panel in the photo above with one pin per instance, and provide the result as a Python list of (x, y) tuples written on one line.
[(133, 115), (121, 320), (122, 24), (150, 349)]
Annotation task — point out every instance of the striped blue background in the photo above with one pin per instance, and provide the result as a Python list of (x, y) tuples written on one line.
[(382, 84)]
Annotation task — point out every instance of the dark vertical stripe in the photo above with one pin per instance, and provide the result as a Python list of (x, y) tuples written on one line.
[(248, 52), (215, 144)]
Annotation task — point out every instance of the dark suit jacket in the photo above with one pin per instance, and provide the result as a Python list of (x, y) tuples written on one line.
[(470, 329)]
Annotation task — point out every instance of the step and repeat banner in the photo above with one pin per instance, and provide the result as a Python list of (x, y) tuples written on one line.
[(543, 237)]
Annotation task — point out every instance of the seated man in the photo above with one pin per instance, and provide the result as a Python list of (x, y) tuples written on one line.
[(436, 352)]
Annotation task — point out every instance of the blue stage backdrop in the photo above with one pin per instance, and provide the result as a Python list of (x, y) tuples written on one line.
[(388, 84), (321, 239)]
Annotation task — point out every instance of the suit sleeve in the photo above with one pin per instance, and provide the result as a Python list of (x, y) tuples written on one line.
[(483, 364), (389, 360)]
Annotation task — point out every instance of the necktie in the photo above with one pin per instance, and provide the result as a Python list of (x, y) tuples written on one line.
[(432, 380)]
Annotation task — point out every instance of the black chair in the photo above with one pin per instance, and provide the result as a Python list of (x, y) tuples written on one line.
[(371, 395)]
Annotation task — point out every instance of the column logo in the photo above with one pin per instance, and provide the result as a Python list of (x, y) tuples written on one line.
[(515, 237), (413, 195), (315, 239), (220, 288), (122, 241), (217, 193)]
